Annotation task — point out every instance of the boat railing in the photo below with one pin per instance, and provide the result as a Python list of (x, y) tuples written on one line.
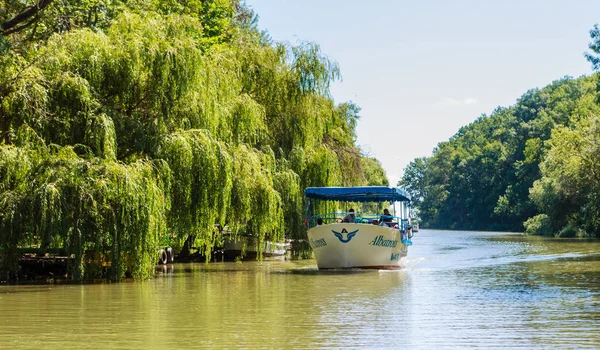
[(360, 218)]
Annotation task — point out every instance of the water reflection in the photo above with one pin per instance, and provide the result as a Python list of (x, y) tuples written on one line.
[(458, 290)]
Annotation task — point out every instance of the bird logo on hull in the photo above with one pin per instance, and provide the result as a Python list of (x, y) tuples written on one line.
[(340, 235)]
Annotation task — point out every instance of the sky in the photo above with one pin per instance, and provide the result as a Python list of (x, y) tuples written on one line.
[(422, 69)]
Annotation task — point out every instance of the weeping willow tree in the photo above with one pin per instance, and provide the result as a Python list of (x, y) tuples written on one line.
[(201, 183), (161, 116), (287, 184), (257, 204), (103, 213)]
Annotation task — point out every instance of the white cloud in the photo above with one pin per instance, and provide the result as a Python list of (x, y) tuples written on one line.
[(451, 101), (470, 101)]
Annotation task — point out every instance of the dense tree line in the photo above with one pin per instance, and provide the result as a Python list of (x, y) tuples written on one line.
[(122, 121), (530, 167)]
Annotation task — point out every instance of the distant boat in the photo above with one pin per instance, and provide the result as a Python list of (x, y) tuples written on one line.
[(415, 224), (374, 241), (242, 246)]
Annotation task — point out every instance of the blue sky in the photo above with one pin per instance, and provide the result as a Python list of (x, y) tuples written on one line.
[(422, 69)]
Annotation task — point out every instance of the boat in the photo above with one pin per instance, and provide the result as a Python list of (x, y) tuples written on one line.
[(243, 246), (415, 224), (373, 241)]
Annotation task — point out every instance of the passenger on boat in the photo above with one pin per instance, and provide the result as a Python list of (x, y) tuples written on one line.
[(385, 218), (350, 217), (319, 221)]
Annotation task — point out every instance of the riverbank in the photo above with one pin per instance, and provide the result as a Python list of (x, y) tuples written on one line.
[(54, 269)]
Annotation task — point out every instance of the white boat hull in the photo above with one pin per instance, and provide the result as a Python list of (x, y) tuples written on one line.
[(347, 245)]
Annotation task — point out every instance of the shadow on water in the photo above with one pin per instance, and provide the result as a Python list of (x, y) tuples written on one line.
[(450, 248), (17, 289), (332, 272), (288, 268)]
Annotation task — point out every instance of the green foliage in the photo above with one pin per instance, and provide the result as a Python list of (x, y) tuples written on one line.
[(200, 183), (58, 17), (131, 118), (287, 183), (567, 190), (374, 173), (539, 225), (4, 45), (572, 230), (594, 57), (100, 212), (100, 136), (482, 177), (258, 206), (413, 180)]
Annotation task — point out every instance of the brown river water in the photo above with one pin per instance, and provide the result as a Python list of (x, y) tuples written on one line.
[(457, 290)]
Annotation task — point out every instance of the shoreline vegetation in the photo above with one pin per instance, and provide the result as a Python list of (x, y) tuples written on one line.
[(532, 167), (124, 125)]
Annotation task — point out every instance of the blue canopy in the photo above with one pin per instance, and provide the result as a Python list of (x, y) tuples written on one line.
[(358, 194)]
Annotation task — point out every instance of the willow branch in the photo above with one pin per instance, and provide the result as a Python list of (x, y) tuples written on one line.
[(13, 24)]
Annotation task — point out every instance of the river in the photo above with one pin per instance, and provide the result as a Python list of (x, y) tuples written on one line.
[(458, 290)]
